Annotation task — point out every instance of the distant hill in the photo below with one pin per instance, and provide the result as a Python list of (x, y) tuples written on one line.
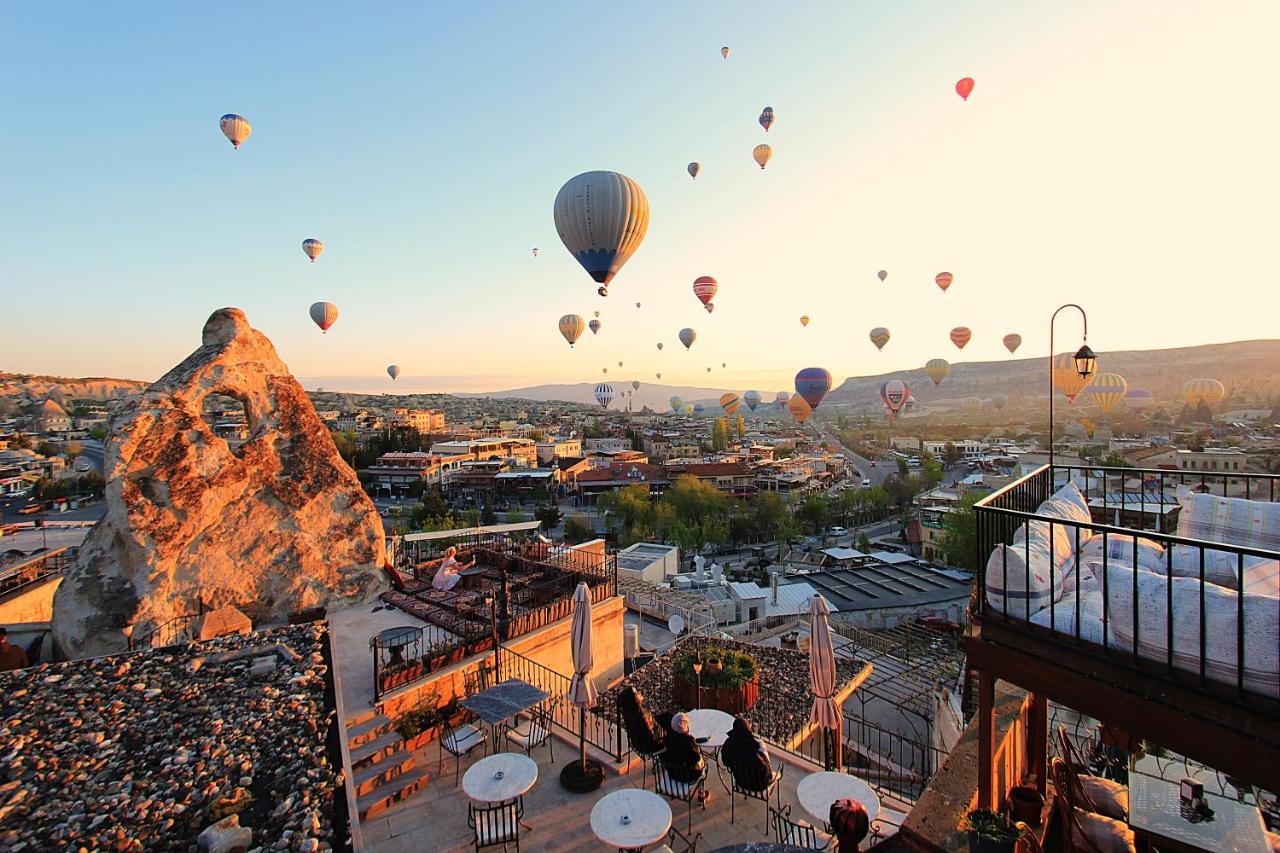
[(651, 394), (1248, 369), (21, 387)]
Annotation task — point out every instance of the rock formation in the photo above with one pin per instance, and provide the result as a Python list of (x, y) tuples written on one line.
[(278, 525)]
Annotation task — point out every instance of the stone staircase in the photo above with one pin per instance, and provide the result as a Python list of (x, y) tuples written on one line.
[(383, 771)]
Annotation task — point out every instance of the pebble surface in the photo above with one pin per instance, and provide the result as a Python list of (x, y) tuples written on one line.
[(143, 751)]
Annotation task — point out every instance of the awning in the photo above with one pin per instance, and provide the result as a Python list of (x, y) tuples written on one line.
[(471, 531)]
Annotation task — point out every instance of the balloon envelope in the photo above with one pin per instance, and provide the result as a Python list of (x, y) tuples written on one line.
[(782, 398), (705, 287), (879, 337), (601, 218), (694, 169), (1107, 390), (1000, 401), (937, 369), (595, 325), (964, 87), (572, 326), (1138, 399), (235, 128), (687, 337), (752, 399), (1012, 342), (635, 383), (800, 410), (882, 275), (894, 394), (604, 394), (960, 336), (724, 51), (943, 280), (535, 251), (1066, 378), (1207, 390), (766, 118), (729, 402), (711, 306), (676, 403), (313, 248), (659, 346), (812, 384), (804, 320), (393, 370), (324, 315), (762, 153)]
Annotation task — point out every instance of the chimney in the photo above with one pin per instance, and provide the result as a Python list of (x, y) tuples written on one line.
[(773, 587), (716, 573), (698, 563), (630, 641)]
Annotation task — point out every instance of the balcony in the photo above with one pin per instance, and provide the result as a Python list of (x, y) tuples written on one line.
[(1149, 614)]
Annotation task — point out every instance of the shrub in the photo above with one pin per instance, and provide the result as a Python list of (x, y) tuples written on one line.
[(738, 667)]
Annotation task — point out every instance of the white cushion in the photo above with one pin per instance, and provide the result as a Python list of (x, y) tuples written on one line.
[(534, 737), (1107, 834), (1024, 577), (1233, 521), (1069, 503), (1111, 798), (462, 739), (672, 788), (1061, 617), (501, 828), (1151, 554), (1223, 568)]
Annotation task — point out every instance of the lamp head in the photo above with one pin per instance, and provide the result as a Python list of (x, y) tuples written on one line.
[(1086, 362), (697, 668)]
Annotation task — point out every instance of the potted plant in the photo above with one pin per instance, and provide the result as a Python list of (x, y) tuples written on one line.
[(1026, 804), (990, 832)]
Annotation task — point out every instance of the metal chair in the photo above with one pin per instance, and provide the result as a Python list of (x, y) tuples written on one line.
[(756, 787), (677, 842), (668, 786), (798, 834), (458, 741), (537, 732), (496, 824), (886, 824)]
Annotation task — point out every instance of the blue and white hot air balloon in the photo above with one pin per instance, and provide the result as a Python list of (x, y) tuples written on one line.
[(601, 218), (752, 399)]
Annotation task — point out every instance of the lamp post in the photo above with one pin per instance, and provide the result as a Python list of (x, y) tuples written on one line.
[(1084, 361), (697, 671)]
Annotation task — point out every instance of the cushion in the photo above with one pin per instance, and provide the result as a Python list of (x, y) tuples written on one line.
[(1068, 503), (1111, 798), (1234, 521), (672, 788), (1061, 616), (1261, 626), (1106, 834), (1017, 586), (1223, 568), (462, 739), (1117, 547)]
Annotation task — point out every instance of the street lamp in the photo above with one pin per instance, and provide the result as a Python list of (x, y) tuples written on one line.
[(1084, 361), (697, 671)]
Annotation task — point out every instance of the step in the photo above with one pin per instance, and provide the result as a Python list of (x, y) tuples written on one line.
[(390, 793), (380, 747), (360, 717), (368, 730), (377, 773)]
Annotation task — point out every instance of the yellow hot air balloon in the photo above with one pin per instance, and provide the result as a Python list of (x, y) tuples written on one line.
[(762, 153), (601, 218), (1108, 389), (937, 369), (572, 326), (235, 128), (1066, 378), (879, 337), (804, 319), (694, 169), (972, 404), (1209, 391), (313, 248), (800, 410), (1089, 424)]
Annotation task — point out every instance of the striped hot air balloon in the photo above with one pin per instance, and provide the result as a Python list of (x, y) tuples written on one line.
[(601, 218), (812, 384), (1209, 391), (694, 168), (312, 247), (699, 409), (1012, 342), (705, 287), (766, 118), (879, 337), (752, 399), (572, 327), (937, 369), (324, 315), (804, 320), (594, 326), (972, 405), (730, 403), (894, 394), (1107, 390), (1066, 378), (800, 410), (1138, 399), (960, 336), (604, 394), (943, 280), (235, 128)]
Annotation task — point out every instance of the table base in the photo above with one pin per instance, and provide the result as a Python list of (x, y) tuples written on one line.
[(577, 780)]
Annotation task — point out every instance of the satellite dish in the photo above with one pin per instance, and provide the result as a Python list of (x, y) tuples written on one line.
[(675, 624)]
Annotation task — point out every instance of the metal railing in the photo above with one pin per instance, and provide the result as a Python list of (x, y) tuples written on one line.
[(430, 651), (34, 570), (1056, 607), (178, 629)]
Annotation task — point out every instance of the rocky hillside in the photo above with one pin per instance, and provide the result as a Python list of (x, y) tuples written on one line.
[(22, 387)]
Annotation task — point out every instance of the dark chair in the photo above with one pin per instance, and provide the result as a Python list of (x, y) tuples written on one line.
[(496, 824), (668, 784), (537, 731), (798, 834), (644, 734), (678, 843), (756, 784), (458, 741)]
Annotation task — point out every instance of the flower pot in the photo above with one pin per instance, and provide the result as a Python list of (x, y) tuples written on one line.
[(714, 664), (978, 844), (1026, 804), (423, 737)]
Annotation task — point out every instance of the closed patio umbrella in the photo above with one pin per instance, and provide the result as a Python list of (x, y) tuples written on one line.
[(822, 674), (582, 693)]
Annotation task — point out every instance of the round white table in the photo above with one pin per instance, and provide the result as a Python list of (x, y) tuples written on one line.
[(818, 791), (710, 724), (500, 777), (631, 818)]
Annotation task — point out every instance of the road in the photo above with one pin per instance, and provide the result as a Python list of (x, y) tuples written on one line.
[(861, 464), (94, 452)]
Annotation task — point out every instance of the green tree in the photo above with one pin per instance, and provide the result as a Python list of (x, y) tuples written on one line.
[(550, 516), (864, 544), (630, 506), (741, 427), (951, 454), (1115, 459), (98, 433), (814, 513), (577, 529), (719, 435), (488, 516), (903, 468), (959, 543), (347, 445), (770, 516), (931, 472)]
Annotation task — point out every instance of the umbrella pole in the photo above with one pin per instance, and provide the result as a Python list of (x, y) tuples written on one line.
[(582, 737)]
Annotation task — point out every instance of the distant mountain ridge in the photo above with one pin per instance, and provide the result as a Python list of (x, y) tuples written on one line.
[(652, 394), (31, 387)]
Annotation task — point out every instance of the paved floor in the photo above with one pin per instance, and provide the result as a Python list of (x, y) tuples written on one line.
[(352, 629)]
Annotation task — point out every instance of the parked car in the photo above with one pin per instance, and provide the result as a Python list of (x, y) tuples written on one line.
[(866, 482), (838, 531), (31, 509)]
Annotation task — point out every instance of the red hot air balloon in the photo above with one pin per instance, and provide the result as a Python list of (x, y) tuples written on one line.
[(705, 287), (964, 87), (812, 384), (943, 280), (960, 336)]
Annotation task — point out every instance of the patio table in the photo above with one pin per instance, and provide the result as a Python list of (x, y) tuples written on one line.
[(631, 819), (1156, 816), (711, 724), (501, 777), (503, 701), (818, 791)]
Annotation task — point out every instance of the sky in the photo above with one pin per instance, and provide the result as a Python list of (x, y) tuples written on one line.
[(1116, 155)]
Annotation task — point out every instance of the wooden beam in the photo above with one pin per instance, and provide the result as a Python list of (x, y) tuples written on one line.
[(986, 739), (1037, 741)]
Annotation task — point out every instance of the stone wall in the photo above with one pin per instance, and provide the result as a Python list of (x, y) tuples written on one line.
[(33, 604)]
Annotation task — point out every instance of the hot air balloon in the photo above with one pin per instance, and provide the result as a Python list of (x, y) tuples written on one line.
[(800, 410), (804, 319), (699, 409), (710, 306), (688, 408), (729, 402), (880, 337), (1138, 399), (604, 394), (595, 314), (619, 364), (659, 375), (1012, 342), (911, 402), (1209, 391), (694, 169), (604, 370), (724, 51), (1089, 424), (594, 326), (572, 326), (393, 370), (637, 304), (1107, 390), (960, 336), (882, 275), (602, 218), (813, 383), (937, 368), (894, 394), (752, 399), (324, 315), (943, 280), (999, 401), (313, 248), (705, 287), (964, 86), (708, 370), (723, 364), (235, 128), (635, 383), (535, 251), (972, 404), (766, 118), (782, 398), (762, 153), (687, 337), (1066, 378), (676, 404), (659, 346)]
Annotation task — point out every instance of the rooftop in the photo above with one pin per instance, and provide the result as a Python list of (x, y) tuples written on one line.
[(877, 585)]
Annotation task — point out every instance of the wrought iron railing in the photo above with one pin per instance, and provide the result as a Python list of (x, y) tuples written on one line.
[(415, 656), (178, 629), (35, 569), (1062, 614)]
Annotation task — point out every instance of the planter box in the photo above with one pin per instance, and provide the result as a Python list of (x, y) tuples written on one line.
[(405, 675), (423, 737), (731, 700)]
